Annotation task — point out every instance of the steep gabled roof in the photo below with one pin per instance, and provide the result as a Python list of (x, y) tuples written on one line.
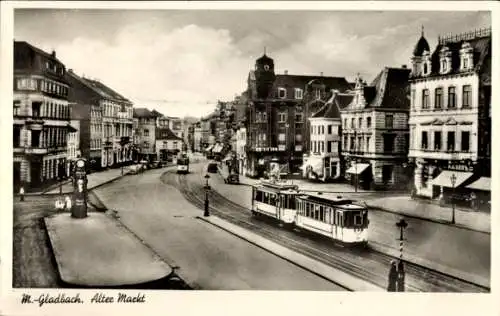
[(156, 113), (389, 89), (105, 91)]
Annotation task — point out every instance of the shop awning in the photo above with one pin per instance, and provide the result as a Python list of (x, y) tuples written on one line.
[(483, 184), (444, 178), (358, 168)]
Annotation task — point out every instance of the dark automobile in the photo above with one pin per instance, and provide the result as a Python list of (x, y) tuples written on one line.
[(156, 164), (212, 167)]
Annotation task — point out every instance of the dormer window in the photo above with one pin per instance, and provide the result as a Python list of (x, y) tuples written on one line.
[(299, 94), (426, 64), (466, 55), (281, 93), (445, 60)]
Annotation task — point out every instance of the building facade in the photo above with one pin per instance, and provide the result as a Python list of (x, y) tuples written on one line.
[(375, 131), (197, 137), (167, 144), (41, 117), (450, 117), (73, 145), (323, 160), (145, 133), (277, 117), (116, 114), (241, 146)]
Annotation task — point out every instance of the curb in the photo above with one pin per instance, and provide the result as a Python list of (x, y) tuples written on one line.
[(348, 282), (433, 220), (454, 273)]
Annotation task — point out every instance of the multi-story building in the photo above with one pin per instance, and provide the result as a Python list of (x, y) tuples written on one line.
[(116, 115), (450, 118), (41, 117), (323, 162), (189, 140), (73, 146), (168, 144), (197, 137), (375, 131), (176, 126), (277, 115), (145, 133), (81, 139), (241, 155)]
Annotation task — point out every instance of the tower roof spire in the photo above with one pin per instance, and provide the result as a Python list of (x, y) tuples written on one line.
[(422, 30), (264, 50)]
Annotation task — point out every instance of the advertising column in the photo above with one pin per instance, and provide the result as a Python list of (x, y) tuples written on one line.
[(79, 209)]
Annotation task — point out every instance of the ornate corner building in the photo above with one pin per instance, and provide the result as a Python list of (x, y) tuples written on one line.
[(450, 116), (375, 131)]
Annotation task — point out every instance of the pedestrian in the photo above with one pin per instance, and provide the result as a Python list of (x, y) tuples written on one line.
[(401, 276), (21, 194), (68, 203), (393, 277)]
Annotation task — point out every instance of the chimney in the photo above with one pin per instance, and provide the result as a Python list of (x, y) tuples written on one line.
[(403, 66), (53, 54), (70, 70), (321, 74), (286, 72)]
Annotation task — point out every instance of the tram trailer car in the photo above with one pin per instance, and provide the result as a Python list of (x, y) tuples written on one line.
[(183, 165), (333, 217), (275, 200)]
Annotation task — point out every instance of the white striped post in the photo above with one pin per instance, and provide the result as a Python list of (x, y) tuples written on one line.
[(402, 224)]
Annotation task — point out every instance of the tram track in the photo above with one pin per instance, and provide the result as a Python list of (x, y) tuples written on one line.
[(368, 264)]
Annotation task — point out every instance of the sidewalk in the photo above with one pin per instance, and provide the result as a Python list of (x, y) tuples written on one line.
[(98, 251), (405, 205)]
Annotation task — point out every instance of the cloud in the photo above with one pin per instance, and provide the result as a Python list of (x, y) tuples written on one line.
[(179, 60), (188, 64)]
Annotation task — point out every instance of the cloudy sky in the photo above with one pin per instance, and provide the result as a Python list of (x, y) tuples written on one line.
[(180, 62)]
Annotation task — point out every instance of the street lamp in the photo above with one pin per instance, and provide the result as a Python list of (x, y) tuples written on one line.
[(402, 224), (453, 180), (207, 188)]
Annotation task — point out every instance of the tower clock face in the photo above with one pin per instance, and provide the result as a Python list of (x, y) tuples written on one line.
[(266, 67)]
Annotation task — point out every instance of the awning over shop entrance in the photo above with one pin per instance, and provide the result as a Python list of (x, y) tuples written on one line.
[(483, 184), (444, 178), (358, 168)]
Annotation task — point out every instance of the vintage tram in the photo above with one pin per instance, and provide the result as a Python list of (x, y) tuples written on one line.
[(333, 216), (276, 200), (183, 164)]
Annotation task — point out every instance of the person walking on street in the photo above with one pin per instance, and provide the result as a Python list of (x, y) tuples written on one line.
[(21, 194), (393, 277)]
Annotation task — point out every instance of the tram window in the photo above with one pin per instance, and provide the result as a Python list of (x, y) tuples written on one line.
[(327, 215), (307, 209), (266, 198), (291, 202), (322, 213), (272, 199), (316, 212), (358, 220), (259, 196)]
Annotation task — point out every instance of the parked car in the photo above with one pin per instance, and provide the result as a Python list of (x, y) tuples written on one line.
[(135, 169), (212, 167)]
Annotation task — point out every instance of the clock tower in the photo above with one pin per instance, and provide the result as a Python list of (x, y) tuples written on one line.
[(264, 76)]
